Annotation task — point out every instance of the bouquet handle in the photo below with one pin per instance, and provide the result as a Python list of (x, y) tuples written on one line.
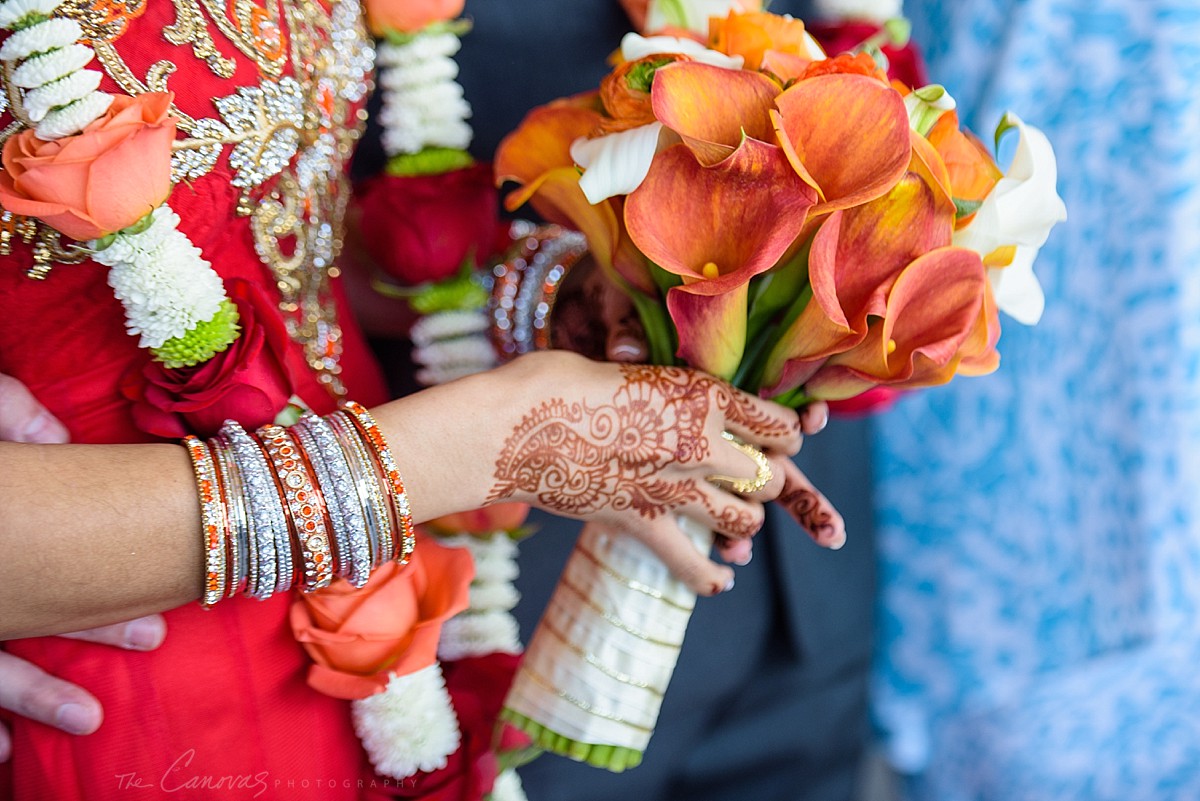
[(593, 678)]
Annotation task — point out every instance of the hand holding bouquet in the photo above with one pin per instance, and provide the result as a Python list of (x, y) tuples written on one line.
[(795, 224)]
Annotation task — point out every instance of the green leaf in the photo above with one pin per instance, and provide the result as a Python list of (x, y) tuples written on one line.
[(962, 208)]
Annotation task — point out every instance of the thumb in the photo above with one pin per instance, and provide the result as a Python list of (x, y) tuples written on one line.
[(23, 419)]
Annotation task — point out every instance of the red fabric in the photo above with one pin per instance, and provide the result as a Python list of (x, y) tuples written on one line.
[(221, 709)]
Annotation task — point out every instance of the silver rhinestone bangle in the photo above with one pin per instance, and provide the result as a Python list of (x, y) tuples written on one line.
[(343, 492)]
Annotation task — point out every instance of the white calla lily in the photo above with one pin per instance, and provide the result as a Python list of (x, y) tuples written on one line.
[(867, 10), (616, 163), (635, 46), (1018, 214)]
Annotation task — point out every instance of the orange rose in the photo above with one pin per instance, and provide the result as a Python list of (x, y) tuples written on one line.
[(103, 179), (409, 16), (497, 517), (973, 173), (625, 92), (758, 34), (358, 638)]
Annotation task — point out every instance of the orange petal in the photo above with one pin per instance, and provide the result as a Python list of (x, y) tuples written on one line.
[(752, 35), (978, 352), (845, 135), (683, 95), (720, 225), (543, 140), (932, 308), (970, 168), (711, 328), (855, 258)]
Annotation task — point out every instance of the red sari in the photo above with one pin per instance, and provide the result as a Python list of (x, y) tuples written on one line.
[(221, 710)]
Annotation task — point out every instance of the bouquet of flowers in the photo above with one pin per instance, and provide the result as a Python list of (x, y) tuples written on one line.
[(795, 223)]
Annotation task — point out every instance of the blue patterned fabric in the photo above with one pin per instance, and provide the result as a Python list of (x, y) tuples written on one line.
[(1040, 528)]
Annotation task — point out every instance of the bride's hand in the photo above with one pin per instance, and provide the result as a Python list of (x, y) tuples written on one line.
[(633, 446)]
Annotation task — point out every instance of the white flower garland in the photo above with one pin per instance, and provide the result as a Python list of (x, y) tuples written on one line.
[(172, 297), (410, 726), (487, 625), (507, 787), (423, 105)]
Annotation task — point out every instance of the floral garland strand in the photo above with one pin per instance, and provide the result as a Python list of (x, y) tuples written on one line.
[(174, 301)]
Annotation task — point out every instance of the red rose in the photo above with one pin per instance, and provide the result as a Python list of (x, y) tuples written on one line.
[(904, 63), (422, 227), (250, 381), (477, 687)]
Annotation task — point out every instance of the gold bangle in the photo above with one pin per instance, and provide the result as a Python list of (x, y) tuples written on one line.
[(304, 502), (369, 430), (211, 520)]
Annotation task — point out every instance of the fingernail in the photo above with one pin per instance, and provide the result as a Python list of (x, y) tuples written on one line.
[(836, 544), (623, 349), (143, 635), (745, 560), (76, 719), (41, 429), (729, 585)]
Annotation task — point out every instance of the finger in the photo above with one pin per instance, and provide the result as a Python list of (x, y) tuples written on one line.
[(23, 419), (723, 512), (626, 340), (761, 422), (811, 509), (30, 692), (701, 575), (814, 417), (735, 552), (5, 744), (143, 634)]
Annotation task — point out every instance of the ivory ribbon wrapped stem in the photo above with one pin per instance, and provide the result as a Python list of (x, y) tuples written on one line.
[(593, 678)]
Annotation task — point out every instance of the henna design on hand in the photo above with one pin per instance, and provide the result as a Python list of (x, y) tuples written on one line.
[(577, 459), (809, 511)]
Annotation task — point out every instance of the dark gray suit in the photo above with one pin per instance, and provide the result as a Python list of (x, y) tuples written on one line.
[(769, 699)]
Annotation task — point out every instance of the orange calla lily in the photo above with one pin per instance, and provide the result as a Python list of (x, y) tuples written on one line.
[(846, 135), (971, 170), (854, 260), (978, 354), (711, 328), (682, 97), (751, 36), (846, 64), (718, 226), (537, 156), (931, 310)]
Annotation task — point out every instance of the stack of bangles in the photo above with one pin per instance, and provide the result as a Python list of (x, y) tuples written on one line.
[(325, 490)]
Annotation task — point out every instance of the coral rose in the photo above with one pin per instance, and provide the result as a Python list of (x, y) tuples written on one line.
[(103, 179), (408, 16), (358, 638), (250, 382)]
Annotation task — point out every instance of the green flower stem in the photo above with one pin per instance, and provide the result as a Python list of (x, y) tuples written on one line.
[(660, 332), (614, 758)]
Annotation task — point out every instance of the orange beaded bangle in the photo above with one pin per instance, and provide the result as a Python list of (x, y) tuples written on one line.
[(212, 520), (369, 429), (305, 502)]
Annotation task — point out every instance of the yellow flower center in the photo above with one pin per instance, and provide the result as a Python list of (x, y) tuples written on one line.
[(710, 270), (891, 347)]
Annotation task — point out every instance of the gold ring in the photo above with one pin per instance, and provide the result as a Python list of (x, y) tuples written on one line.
[(745, 486)]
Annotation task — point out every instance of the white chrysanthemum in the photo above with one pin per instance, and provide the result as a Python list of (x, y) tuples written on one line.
[(51, 66), (410, 726), (424, 73), (467, 351), (75, 117), (448, 325), (478, 634), (44, 36), (14, 11), (870, 10), (62, 92), (163, 281), (493, 596), (421, 48), (507, 787)]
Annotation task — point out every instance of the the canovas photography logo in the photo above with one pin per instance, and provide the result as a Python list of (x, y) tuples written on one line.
[(189, 775)]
